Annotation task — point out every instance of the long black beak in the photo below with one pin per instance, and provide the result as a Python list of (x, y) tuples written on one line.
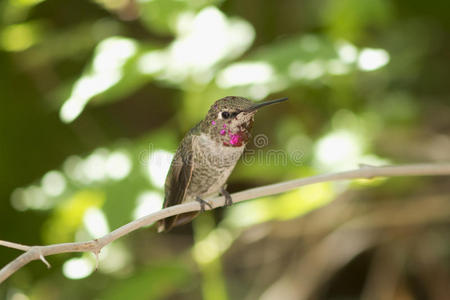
[(259, 105)]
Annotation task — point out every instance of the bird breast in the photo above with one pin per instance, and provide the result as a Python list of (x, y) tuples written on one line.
[(213, 164), (214, 154)]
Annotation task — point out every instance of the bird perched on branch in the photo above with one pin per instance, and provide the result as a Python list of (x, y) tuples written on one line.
[(207, 155)]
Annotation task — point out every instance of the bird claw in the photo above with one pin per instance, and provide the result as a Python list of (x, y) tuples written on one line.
[(228, 199), (203, 203)]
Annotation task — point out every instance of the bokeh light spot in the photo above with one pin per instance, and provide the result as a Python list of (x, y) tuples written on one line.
[(95, 222), (153, 62), (308, 70), (94, 166), (212, 246), (338, 149), (19, 37), (78, 268), (53, 183), (147, 203), (158, 166), (347, 52), (17, 295), (244, 74), (372, 59), (118, 165), (110, 56)]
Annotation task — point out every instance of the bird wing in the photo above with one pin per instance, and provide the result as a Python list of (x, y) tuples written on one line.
[(180, 177), (178, 180)]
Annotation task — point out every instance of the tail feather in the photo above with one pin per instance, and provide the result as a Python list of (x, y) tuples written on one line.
[(167, 224)]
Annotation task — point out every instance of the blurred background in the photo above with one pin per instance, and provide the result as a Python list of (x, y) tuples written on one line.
[(95, 96)]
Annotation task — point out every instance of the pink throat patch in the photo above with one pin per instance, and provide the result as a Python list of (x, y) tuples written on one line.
[(235, 140)]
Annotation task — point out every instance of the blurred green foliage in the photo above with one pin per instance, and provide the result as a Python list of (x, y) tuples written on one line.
[(95, 96)]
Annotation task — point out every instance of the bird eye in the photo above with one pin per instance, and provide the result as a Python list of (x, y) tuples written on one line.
[(225, 115)]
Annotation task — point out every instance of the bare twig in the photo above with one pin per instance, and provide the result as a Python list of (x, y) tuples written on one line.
[(94, 246), (14, 245)]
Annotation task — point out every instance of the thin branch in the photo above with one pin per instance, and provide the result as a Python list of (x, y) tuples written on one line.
[(14, 245), (41, 257), (94, 246)]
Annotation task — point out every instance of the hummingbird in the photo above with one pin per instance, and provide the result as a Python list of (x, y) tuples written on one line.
[(207, 155)]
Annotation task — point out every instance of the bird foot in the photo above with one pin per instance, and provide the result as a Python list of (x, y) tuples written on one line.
[(224, 192), (203, 203)]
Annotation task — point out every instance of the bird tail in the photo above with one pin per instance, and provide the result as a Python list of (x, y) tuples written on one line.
[(167, 224)]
